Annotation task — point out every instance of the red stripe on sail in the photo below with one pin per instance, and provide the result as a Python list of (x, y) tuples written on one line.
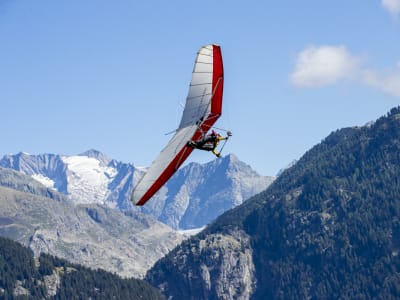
[(217, 81), (166, 174)]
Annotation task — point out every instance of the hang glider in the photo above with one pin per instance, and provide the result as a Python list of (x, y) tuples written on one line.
[(202, 109)]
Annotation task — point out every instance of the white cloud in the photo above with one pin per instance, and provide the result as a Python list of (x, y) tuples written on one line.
[(326, 65), (323, 65), (388, 82), (393, 6)]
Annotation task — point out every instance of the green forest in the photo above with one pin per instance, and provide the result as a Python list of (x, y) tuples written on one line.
[(23, 277)]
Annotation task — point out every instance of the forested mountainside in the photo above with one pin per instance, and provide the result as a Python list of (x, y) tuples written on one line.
[(327, 228), (23, 277)]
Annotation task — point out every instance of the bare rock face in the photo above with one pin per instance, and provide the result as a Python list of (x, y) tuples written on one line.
[(20, 290), (52, 283), (234, 275), (219, 266)]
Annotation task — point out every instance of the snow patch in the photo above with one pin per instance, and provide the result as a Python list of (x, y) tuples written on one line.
[(87, 179), (140, 168), (190, 232), (46, 181)]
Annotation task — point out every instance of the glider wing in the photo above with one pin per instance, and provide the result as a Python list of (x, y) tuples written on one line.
[(202, 109)]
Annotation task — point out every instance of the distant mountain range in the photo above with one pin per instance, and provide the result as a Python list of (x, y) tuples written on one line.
[(88, 178), (327, 228), (194, 196)]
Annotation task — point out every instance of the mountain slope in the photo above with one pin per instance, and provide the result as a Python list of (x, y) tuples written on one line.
[(90, 234), (328, 227)]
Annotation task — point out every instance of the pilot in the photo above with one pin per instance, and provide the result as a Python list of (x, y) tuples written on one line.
[(209, 142)]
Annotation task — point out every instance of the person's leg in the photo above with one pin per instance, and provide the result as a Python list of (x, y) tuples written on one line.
[(217, 154)]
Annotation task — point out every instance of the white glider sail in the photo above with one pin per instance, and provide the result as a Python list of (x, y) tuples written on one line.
[(202, 109)]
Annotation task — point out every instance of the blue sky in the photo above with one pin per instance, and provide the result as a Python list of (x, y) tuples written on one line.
[(112, 75)]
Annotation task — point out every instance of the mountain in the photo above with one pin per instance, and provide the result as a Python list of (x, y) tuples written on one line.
[(192, 198), (198, 193), (89, 234), (327, 228), (24, 277), (86, 178)]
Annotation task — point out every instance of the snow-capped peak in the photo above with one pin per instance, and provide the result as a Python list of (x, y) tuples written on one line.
[(88, 178), (100, 156)]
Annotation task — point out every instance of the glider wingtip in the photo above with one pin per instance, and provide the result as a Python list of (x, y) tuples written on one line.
[(138, 202), (134, 200)]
